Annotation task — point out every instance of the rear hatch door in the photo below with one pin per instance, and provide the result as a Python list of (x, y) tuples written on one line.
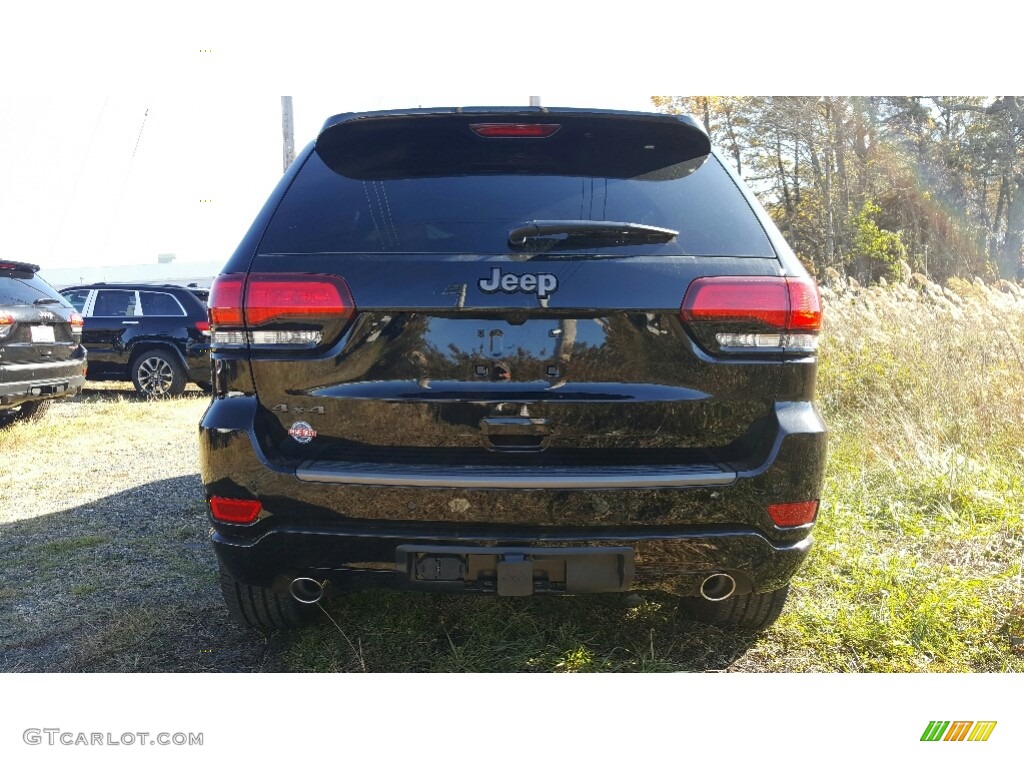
[(501, 289), (35, 321)]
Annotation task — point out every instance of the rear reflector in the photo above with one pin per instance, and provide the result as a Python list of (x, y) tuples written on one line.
[(238, 511), (786, 303), (797, 513), (515, 130)]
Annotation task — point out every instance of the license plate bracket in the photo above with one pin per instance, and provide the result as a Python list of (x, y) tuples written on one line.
[(517, 571), (41, 334)]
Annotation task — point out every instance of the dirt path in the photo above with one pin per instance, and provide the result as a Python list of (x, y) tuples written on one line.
[(105, 561)]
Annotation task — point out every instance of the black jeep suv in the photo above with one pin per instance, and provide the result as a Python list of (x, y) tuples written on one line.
[(512, 351), (156, 336), (41, 356)]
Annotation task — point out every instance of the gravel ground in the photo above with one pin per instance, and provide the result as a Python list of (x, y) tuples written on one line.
[(106, 566)]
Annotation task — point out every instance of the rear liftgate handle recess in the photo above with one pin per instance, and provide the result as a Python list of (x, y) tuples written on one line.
[(515, 433)]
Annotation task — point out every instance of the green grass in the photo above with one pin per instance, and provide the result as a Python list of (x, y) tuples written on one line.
[(67, 546), (920, 542), (404, 632), (919, 546)]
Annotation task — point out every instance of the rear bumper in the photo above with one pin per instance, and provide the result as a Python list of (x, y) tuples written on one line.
[(41, 381), (675, 561), (346, 523), (786, 466)]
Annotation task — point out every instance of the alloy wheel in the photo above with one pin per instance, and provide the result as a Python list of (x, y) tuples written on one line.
[(155, 376)]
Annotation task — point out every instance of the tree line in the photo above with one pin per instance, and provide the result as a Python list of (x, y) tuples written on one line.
[(863, 183)]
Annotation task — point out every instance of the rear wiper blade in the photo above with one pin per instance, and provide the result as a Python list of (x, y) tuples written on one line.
[(607, 232)]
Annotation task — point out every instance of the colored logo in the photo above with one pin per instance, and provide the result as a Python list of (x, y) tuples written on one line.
[(958, 730), (302, 432)]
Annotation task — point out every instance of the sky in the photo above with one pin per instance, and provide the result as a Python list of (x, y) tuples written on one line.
[(93, 180), (162, 133)]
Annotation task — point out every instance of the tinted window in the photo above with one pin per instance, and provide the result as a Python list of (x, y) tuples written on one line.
[(77, 298), (25, 287), (159, 304), (324, 211), (114, 304)]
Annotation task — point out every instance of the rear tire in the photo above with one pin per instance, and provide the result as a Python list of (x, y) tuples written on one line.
[(264, 609), (753, 611), (156, 373), (32, 411)]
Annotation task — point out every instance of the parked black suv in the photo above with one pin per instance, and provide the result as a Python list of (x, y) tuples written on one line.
[(512, 351), (156, 336), (41, 357)]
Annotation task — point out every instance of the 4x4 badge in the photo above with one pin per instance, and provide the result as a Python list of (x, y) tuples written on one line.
[(298, 410), (542, 283)]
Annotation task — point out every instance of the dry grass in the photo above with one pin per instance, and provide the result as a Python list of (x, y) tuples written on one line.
[(921, 541), (918, 563)]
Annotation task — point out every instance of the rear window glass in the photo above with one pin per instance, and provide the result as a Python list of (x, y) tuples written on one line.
[(114, 304), (77, 298), (324, 211), (25, 287), (159, 304)]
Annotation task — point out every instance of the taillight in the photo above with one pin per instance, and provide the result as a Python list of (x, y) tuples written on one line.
[(6, 322), (245, 309), (203, 327), (238, 511), (77, 323), (515, 130), (276, 298), (796, 513), (225, 301), (768, 314)]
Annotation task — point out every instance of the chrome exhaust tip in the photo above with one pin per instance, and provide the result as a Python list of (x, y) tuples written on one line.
[(306, 590), (717, 587)]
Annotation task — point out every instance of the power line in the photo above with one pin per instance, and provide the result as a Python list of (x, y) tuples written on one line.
[(139, 138), (124, 183)]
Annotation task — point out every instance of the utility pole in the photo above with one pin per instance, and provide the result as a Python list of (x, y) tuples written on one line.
[(288, 127)]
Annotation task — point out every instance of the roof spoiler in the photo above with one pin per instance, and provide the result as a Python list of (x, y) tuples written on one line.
[(18, 266), (419, 143)]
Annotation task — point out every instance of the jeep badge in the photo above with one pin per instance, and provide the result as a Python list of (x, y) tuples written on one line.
[(543, 284)]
